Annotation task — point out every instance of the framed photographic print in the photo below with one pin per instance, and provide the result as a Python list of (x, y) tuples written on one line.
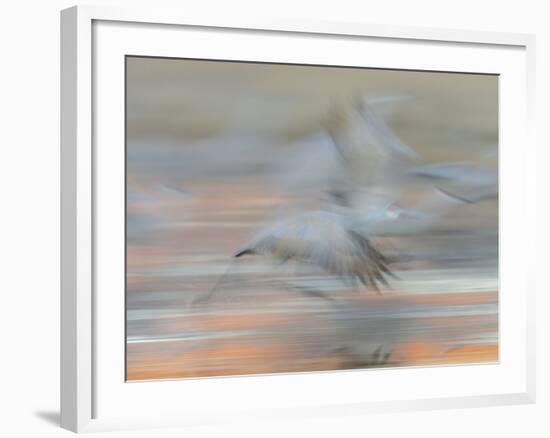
[(277, 219)]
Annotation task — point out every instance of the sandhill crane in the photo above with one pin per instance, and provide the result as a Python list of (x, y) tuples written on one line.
[(340, 241), (381, 165), (330, 240)]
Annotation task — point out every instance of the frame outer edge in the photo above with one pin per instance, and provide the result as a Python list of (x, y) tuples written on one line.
[(532, 284), (76, 219), (186, 17), (68, 220), (77, 396)]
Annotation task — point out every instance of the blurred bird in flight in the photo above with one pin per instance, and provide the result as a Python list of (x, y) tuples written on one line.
[(377, 166)]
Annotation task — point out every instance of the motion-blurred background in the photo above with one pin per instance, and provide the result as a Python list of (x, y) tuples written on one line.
[(217, 150)]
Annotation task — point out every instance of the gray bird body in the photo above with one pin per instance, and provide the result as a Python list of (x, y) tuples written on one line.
[(329, 240)]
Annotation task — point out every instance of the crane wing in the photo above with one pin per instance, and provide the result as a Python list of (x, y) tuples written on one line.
[(375, 159), (321, 238)]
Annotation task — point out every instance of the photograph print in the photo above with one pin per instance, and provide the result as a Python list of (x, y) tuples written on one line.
[(285, 218)]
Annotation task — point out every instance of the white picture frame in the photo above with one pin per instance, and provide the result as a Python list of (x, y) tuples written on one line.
[(85, 60)]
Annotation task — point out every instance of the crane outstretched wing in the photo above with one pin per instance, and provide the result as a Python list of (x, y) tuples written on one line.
[(323, 239), (466, 181), (374, 157)]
